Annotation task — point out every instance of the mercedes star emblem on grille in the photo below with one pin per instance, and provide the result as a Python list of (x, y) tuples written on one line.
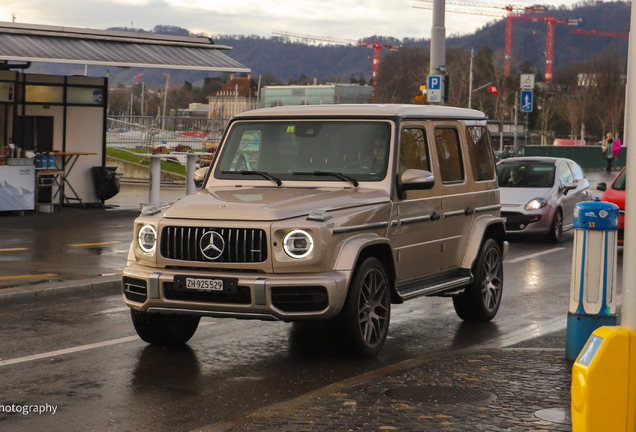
[(212, 245)]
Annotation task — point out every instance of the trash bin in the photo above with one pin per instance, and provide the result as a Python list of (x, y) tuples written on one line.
[(106, 182)]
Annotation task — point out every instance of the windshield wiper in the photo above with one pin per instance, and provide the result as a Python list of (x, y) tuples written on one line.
[(260, 173), (342, 177)]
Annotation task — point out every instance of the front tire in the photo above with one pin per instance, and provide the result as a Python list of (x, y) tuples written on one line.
[(364, 320), (481, 300), (556, 229), (164, 330)]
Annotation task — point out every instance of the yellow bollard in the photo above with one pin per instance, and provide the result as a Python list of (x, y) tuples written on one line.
[(604, 382)]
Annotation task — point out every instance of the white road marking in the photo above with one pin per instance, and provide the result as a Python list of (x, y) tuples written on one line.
[(114, 310), (68, 350), (76, 349), (534, 255)]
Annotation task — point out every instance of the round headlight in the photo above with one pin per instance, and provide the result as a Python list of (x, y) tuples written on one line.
[(147, 238), (536, 204), (298, 244)]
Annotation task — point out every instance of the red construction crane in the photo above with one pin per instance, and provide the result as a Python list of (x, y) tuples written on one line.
[(601, 33), (510, 15), (377, 46), (137, 77), (511, 12)]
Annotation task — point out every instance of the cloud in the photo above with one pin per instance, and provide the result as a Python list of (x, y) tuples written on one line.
[(353, 19)]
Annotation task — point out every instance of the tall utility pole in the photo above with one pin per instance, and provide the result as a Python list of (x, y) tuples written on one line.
[(511, 12), (165, 98), (628, 315), (470, 81), (438, 42)]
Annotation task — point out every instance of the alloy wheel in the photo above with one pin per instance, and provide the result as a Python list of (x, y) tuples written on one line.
[(373, 308)]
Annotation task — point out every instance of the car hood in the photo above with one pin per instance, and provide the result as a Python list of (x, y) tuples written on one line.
[(521, 196), (269, 204)]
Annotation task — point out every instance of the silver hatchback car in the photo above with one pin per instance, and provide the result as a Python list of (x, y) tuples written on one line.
[(538, 194)]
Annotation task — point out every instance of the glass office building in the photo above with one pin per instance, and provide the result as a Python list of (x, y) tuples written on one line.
[(337, 93)]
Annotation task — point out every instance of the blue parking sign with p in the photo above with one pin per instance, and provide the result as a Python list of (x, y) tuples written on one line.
[(434, 82)]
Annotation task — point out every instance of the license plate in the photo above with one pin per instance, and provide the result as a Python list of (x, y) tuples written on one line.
[(204, 284), (207, 284)]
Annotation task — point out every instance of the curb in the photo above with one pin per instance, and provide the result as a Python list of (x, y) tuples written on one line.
[(32, 294)]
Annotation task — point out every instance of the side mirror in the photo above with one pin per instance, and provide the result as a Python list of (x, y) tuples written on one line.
[(414, 179), (601, 186), (199, 176), (568, 186)]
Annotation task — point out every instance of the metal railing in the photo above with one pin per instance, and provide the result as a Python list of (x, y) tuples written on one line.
[(174, 133)]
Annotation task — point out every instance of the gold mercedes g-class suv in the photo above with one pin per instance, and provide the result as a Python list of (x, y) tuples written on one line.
[(326, 213)]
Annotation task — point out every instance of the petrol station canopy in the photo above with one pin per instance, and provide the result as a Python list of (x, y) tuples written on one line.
[(68, 45)]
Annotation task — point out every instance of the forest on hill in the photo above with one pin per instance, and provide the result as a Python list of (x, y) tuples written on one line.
[(587, 92), (284, 59)]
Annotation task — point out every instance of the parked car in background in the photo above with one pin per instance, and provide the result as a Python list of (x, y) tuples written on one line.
[(615, 193), (538, 194)]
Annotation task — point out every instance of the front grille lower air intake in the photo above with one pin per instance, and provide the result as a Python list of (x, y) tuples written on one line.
[(240, 245)]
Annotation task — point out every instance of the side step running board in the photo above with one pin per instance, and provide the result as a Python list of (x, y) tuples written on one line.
[(448, 288)]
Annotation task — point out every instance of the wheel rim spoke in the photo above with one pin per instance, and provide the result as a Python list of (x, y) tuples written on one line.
[(373, 307), (491, 284)]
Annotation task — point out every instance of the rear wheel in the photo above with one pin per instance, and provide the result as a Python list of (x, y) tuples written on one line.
[(480, 301), (164, 330), (364, 320), (556, 230)]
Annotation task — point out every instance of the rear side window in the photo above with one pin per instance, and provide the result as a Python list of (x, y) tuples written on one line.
[(480, 151), (449, 154), (413, 152)]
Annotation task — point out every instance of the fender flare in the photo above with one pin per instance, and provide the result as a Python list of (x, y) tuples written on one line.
[(482, 225), (350, 251), (350, 255)]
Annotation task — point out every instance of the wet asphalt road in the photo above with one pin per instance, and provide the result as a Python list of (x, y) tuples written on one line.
[(108, 379), (233, 367)]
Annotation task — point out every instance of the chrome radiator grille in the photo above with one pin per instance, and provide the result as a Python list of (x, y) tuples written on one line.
[(241, 245)]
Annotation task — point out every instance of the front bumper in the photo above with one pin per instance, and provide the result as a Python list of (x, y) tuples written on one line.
[(286, 297), (521, 221)]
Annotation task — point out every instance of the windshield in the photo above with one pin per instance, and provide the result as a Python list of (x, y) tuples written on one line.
[(525, 175), (619, 183), (298, 150)]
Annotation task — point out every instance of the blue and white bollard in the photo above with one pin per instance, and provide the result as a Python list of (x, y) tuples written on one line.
[(593, 285)]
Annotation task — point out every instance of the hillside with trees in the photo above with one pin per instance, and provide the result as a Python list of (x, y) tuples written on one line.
[(282, 58), (589, 71)]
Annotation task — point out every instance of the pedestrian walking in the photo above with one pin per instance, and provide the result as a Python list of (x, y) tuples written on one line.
[(606, 151)]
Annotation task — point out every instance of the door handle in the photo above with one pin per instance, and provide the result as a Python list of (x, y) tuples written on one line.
[(469, 211), (435, 216)]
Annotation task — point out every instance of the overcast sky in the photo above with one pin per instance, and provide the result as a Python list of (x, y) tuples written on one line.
[(352, 19)]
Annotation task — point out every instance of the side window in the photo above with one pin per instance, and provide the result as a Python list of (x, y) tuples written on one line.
[(576, 171), (565, 175), (480, 152), (413, 151), (449, 154)]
